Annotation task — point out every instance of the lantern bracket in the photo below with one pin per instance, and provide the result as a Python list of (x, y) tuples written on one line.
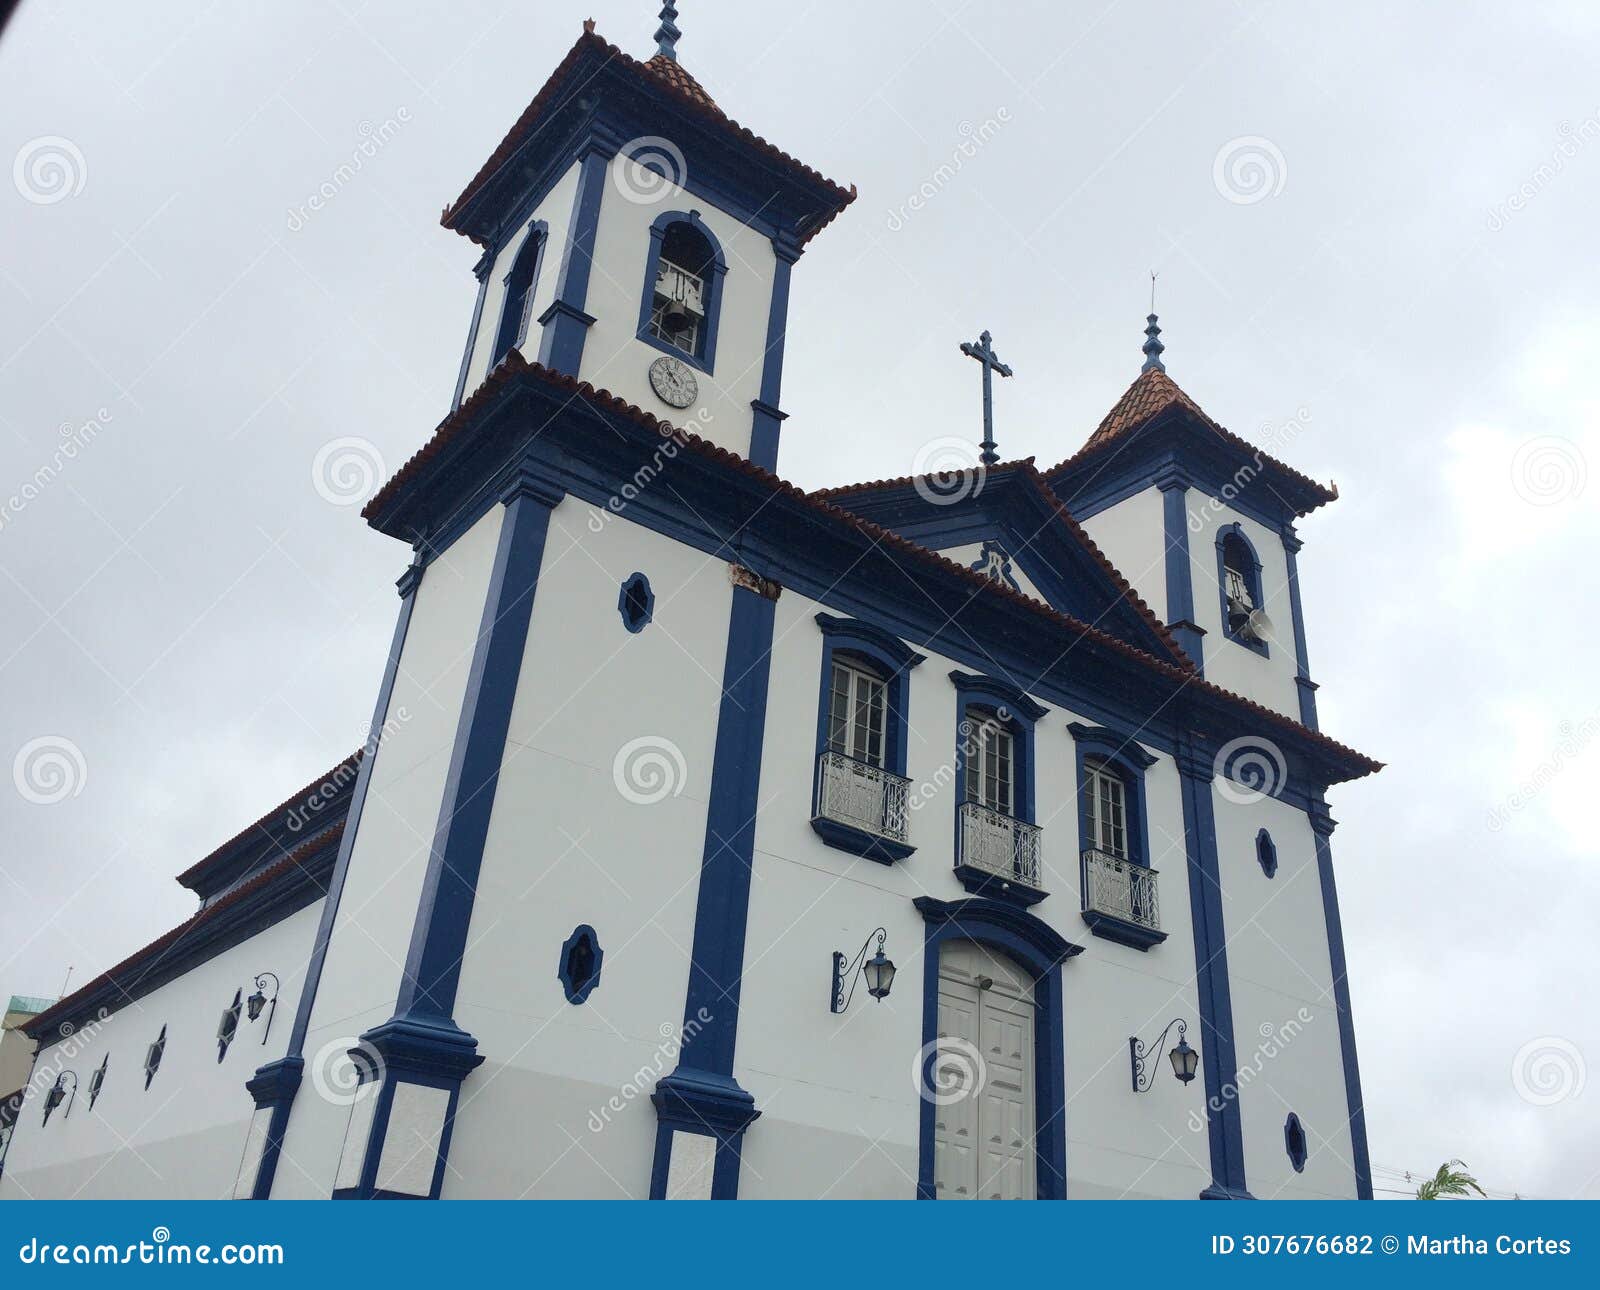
[(838, 996), (1138, 1053)]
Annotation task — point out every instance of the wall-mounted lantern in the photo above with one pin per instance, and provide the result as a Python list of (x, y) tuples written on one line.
[(58, 1093), (878, 970), (257, 1001), (1185, 1060)]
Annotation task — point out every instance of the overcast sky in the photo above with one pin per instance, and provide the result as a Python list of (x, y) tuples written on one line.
[(1367, 219)]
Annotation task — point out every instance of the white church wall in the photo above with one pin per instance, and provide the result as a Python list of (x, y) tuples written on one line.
[(181, 1138), (838, 1093), (556, 211), (1269, 681), (615, 359), (1132, 535), (366, 954), (1286, 1028), (599, 819)]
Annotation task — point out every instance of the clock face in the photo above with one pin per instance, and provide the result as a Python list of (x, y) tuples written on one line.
[(673, 381)]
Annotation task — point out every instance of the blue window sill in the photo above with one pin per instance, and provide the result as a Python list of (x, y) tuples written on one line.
[(980, 882), (1255, 647), (655, 342), (1123, 932), (858, 842)]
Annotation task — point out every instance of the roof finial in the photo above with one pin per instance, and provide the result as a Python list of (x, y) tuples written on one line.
[(667, 33), (1152, 346)]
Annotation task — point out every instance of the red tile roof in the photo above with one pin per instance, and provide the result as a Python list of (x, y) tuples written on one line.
[(1153, 393), (670, 78), (65, 1009), (278, 811), (514, 367), (1024, 469)]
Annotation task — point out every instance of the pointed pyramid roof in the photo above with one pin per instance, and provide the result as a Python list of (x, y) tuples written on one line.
[(1153, 394)]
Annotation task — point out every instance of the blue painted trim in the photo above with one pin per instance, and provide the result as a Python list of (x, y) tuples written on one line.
[(1227, 534), (1219, 1061), (566, 325), (1179, 571), (1128, 761), (276, 1083), (702, 1087), (766, 420), (1040, 950), (704, 355), (978, 688), (636, 603), (715, 1106), (1305, 686), (1322, 825), (481, 272), (858, 842), (1294, 1142), (986, 552), (575, 990), (438, 938), (1121, 932), (1266, 854), (521, 284), (406, 1060)]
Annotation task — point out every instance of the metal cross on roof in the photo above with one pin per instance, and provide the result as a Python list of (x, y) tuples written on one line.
[(983, 351), (667, 33)]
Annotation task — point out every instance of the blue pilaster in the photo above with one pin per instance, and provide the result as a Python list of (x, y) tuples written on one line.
[(767, 419), (276, 1083), (422, 1043), (566, 325), (1218, 1055), (701, 1095), (1180, 574), (1302, 667), (1322, 825)]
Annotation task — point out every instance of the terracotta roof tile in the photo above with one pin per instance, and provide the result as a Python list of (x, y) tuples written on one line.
[(1151, 394), (514, 366), (65, 1008), (672, 79)]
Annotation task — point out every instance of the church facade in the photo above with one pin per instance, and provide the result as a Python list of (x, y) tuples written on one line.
[(717, 839)]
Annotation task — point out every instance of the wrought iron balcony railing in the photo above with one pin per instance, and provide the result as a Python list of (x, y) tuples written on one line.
[(1121, 889), (862, 796), (998, 844)]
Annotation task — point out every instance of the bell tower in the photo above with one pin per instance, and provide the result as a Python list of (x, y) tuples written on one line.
[(636, 237)]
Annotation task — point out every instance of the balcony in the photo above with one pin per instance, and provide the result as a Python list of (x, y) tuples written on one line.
[(861, 808), (1120, 900), (998, 855)]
